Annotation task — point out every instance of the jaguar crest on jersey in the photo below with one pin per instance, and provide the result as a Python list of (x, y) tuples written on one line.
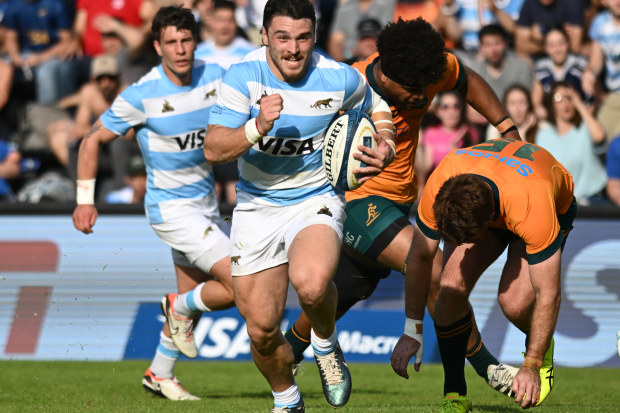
[(323, 102), (167, 107)]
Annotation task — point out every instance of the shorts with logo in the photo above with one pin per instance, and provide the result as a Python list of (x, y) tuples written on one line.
[(262, 234), (195, 233), (367, 221)]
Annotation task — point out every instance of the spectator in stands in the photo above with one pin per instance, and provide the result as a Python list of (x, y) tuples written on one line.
[(613, 173), (499, 65), (38, 34), (343, 33), (538, 16), (367, 33), (226, 46), (518, 103), (135, 184), (203, 9), (92, 100), (576, 139), (97, 19), (461, 20), (453, 131), (9, 169), (558, 64), (604, 33)]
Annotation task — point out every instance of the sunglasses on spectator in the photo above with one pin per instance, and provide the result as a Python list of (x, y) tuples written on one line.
[(558, 97), (445, 106), (109, 77)]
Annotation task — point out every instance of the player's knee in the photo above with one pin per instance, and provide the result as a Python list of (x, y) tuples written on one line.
[(264, 337), (312, 294)]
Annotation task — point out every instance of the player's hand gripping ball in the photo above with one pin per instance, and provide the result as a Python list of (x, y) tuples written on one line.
[(344, 134)]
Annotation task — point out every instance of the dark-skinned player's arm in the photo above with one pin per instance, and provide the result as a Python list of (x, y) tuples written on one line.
[(477, 92)]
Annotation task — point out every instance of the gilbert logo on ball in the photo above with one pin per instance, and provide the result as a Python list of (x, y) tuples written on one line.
[(344, 134)]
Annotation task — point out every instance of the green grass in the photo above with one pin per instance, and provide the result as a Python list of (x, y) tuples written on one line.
[(238, 387)]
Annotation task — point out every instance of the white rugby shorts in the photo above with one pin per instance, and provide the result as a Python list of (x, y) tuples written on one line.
[(262, 234), (194, 234)]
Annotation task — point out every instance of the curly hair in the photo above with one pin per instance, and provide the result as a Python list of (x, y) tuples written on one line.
[(412, 53), (463, 208)]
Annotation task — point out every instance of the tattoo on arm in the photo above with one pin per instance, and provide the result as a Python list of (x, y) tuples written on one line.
[(92, 131)]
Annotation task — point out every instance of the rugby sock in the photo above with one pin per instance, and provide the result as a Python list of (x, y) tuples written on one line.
[(165, 358), (452, 342), (299, 343), (323, 345), (190, 302), (287, 398), (480, 358)]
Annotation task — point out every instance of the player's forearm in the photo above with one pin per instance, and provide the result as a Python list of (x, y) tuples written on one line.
[(418, 274), (224, 144), (88, 154), (545, 278)]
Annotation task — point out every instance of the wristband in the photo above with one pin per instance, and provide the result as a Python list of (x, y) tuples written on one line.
[(251, 131), (413, 329), (504, 125), (532, 363), (85, 191)]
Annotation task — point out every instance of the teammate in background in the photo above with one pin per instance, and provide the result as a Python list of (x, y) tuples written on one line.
[(224, 48), (478, 200), (378, 233), (169, 108), (272, 114)]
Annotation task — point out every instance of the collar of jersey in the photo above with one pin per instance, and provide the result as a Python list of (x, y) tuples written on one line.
[(370, 77)]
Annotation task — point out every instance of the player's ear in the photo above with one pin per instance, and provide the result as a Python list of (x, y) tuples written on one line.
[(157, 47), (263, 32)]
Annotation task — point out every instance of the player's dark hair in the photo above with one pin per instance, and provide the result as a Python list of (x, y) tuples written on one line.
[(463, 207), (492, 30), (223, 4), (549, 99), (295, 9), (412, 53), (175, 16)]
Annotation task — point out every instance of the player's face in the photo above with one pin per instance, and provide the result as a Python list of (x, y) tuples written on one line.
[(224, 26), (403, 97), (289, 44), (176, 49), (556, 46), (517, 106)]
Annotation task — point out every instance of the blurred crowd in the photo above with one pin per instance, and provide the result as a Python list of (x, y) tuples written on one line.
[(555, 64)]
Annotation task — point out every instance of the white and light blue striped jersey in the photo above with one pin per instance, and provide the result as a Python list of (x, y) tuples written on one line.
[(224, 56), (607, 35), (286, 166), (170, 122)]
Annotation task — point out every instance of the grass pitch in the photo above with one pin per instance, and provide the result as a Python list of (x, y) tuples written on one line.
[(28, 386)]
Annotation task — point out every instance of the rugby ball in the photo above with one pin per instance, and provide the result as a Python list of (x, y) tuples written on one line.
[(344, 134)]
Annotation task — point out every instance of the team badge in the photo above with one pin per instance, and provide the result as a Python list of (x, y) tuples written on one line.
[(167, 107)]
